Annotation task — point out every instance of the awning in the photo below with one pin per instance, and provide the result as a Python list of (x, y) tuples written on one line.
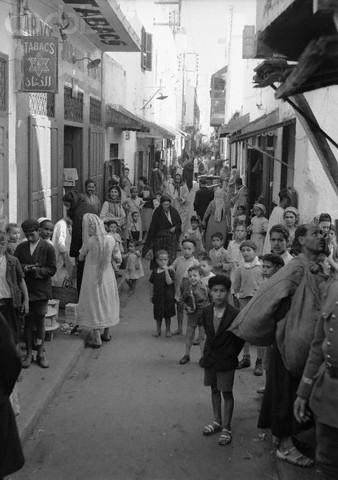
[(263, 124), (105, 25), (119, 117), (156, 130), (234, 125)]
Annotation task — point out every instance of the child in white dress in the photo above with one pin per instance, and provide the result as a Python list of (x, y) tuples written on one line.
[(134, 267)]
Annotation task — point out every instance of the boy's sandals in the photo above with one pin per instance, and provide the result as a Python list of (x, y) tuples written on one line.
[(212, 428), (293, 456), (225, 437)]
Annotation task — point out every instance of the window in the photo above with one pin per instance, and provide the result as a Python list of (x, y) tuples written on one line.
[(146, 50)]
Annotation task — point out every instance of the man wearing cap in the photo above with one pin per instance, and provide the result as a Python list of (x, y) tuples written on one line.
[(37, 258)]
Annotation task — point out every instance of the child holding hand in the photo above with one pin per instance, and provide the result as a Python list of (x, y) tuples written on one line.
[(194, 296)]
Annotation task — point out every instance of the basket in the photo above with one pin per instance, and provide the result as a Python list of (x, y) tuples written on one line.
[(65, 295)]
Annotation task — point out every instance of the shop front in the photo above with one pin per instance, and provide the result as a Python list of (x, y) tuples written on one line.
[(264, 151), (60, 130)]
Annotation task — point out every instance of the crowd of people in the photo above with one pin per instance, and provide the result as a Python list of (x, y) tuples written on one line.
[(240, 279)]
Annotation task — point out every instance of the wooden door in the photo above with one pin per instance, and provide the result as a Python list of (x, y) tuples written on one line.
[(96, 158), (3, 168), (45, 183)]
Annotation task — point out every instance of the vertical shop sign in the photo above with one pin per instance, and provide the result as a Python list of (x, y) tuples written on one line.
[(40, 64)]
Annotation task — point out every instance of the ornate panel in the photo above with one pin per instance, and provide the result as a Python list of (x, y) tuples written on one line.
[(42, 104)]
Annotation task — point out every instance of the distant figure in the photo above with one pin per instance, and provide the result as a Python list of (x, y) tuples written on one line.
[(203, 198), (90, 197), (277, 216)]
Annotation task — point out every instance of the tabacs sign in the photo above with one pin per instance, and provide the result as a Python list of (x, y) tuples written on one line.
[(40, 64)]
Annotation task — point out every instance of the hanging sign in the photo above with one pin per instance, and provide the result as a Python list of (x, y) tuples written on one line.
[(105, 25), (39, 64)]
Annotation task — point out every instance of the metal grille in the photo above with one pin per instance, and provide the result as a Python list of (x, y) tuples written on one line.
[(73, 106), (95, 111), (3, 85), (42, 104)]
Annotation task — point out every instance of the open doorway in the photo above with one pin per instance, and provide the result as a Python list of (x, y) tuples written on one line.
[(73, 152)]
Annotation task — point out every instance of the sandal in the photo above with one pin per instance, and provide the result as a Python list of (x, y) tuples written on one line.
[(212, 428), (294, 457), (105, 338), (225, 437), (156, 334)]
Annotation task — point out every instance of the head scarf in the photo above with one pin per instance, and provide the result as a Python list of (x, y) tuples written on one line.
[(97, 225), (41, 220), (219, 199), (261, 207), (292, 210)]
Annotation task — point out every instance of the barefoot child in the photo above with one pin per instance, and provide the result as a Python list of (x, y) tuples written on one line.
[(180, 267), (247, 280), (163, 294), (220, 357), (134, 268), (194, 296)]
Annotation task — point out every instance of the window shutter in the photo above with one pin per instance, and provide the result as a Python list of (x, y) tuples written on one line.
[(149, 52), (143, 48)]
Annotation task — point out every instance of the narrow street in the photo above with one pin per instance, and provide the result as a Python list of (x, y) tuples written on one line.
[(130, 412)]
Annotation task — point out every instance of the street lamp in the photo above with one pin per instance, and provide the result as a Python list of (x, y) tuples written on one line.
[(160, 97), (91, 64)]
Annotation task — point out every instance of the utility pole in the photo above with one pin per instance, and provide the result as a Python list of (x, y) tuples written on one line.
[(183, 91)]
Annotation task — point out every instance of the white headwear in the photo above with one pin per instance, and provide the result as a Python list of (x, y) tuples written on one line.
[(99, 233)]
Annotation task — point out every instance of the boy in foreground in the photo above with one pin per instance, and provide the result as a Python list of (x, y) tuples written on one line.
[(219, 358)]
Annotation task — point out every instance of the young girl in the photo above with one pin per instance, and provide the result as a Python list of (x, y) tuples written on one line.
[(291, 219), (134, 268), (135, 227), (194, 233), (46, 229), (258, 226), (219, 358), (163, 296), (99, 305)]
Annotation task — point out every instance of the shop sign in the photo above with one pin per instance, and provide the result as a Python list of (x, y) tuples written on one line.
[(40, 64), (106, 26)]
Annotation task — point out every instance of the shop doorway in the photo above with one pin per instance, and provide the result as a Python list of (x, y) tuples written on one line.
[(255, 175), (73, 151)]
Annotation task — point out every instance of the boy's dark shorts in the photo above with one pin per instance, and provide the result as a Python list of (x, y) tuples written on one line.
[(222, 381)]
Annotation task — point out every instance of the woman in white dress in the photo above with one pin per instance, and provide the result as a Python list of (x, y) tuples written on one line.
[(99, 304)]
